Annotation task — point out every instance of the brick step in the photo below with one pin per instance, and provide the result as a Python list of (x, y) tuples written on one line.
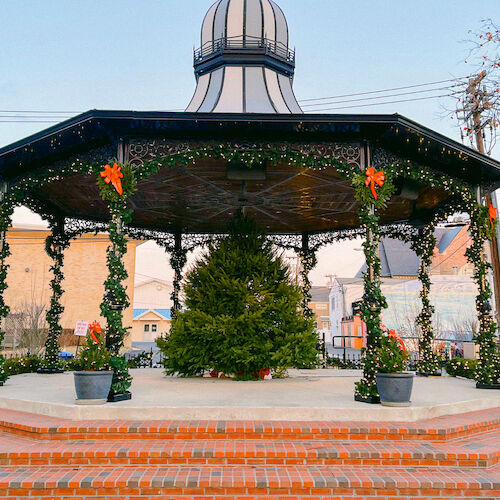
[(437, 429), (224, 483), (475, 451)]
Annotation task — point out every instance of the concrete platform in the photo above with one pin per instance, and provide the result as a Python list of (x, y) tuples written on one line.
[(305, 396)]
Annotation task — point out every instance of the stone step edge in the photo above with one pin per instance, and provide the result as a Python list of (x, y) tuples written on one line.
[(474, 423), (181, 477), (285, 451)]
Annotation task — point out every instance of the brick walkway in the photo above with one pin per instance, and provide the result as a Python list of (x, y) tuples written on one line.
[(446, 457)]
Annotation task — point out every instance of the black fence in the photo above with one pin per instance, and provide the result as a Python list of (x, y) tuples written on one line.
[(145, 359)]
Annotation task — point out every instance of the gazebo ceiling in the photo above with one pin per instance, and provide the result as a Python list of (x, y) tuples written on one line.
[(201, 197)]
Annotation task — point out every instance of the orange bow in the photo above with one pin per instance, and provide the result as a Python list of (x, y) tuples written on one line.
[(94, 328), (113, 175), (493, 214), (373, 178), (393, 334)]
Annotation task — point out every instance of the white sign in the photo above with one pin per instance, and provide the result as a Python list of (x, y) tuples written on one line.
[(81, 328)]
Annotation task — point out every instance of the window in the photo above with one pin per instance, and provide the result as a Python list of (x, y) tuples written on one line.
[(154, 328), (146, 327)]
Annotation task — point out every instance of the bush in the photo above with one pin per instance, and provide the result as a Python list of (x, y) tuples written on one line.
[(460, 367), (243, 312), (25, 364)]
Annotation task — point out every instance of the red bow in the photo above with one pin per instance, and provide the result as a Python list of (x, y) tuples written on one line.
[(393, 334), (373, 178), (493, 214), (94, 328), (113, 175)]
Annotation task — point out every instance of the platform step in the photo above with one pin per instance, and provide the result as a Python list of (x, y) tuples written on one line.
[(475, 451), (437, 429), (248, 482)]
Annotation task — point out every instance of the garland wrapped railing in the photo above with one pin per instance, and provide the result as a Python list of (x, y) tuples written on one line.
[(55, 244), (373, 191), (117, 183), (423, 246)]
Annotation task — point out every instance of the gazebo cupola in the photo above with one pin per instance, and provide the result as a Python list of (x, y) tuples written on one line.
[(244, 64)]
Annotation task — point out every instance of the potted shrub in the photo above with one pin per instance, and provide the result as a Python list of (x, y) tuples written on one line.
[(93, 382), (394, 384)]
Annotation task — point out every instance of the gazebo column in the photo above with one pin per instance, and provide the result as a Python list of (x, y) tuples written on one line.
[(371, 307), (482, 227), (55, 244), (116, 299), (423, 246), (308, 263), (178, 259), (6, 210)]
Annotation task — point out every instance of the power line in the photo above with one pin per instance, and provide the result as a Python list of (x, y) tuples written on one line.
[(387, 102), (382, 91), (382, 97)]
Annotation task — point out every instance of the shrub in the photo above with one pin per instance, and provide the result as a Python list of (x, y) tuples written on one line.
[(460, 367), (25, 364)]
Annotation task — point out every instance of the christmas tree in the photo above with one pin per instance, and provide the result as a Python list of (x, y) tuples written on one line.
[(242, 311)]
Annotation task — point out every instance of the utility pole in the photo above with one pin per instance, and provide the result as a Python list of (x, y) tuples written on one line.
[(476, 102)]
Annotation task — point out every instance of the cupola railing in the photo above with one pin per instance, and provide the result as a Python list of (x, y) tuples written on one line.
[(221, 45)]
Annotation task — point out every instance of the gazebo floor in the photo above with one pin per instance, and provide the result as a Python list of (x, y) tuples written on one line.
[(307, 395)]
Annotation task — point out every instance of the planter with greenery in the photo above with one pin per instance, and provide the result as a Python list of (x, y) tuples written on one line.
[(242, 312), (394, 384), (93, 382)]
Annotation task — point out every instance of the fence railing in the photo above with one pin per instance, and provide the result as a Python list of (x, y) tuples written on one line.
[(262, 44)]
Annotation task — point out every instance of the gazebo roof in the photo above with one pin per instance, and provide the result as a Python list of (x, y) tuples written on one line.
[(201, 197)]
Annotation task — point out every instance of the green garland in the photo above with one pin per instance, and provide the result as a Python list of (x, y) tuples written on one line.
[(55, 245), (178, 259), (294, 157), (371, 307), (6, 211), (309, 262), (428, 362), (488, 364), (115, 298), (373, 298)]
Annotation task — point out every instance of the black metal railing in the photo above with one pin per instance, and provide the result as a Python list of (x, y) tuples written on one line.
[(145, 359), (271, 47)]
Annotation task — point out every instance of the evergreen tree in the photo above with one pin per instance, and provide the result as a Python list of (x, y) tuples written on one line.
[(242, 314)]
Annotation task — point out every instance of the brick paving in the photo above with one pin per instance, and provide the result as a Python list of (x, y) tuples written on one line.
[(446, 458)]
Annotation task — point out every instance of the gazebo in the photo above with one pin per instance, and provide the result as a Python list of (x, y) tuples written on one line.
[(308, 180)]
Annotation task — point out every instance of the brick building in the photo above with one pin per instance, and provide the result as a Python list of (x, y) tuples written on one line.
[(84, 274)]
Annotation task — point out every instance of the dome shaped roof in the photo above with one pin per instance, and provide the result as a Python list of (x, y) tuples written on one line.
[(245, 19)]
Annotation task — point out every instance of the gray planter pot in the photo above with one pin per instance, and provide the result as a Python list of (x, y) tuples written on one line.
[(92, 388), (395, 388)]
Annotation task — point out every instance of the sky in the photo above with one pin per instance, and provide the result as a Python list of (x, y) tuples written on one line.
[(75, 55)]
